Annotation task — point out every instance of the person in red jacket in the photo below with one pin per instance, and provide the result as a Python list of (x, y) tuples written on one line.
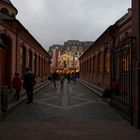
[(115, 86), (17, 85)]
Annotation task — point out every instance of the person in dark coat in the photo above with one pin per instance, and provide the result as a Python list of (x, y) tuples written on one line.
[(74, 77), (62, 78), (68, 77), (115, 86), (29, 83), (54, 77), (17, 85)]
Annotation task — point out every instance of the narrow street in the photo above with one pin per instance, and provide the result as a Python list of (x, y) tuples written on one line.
[(72, 103), (71, 113)]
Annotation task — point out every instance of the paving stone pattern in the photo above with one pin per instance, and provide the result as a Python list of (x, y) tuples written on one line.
[(71, 113), (72, 103)]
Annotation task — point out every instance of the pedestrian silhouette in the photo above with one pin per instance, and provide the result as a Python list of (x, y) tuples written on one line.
[(54, 77), (62, 80), (17, 85), (29, 83), (115, 86), (74, 77), (68, 77)]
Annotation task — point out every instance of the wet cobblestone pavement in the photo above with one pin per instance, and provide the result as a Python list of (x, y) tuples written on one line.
[(72, 103), (71, 113)]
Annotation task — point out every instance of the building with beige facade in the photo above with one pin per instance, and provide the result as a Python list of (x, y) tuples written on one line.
[(66, 56)]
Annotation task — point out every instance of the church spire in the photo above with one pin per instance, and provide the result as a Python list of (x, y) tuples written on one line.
[(6, 7)]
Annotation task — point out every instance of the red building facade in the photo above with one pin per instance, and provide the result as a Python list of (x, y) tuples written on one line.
[(112, 56), (19, 49), (95, 62)]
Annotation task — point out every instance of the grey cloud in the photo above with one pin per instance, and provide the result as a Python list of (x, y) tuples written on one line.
[(55, 21)]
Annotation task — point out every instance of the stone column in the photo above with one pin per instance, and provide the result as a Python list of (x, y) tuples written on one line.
[(27, 56), (42, 67), (83, 67), (136, 62), (103, 62), (33, 60), (13, 58), (46, 67), (39, 58), (96, 67), (36, 64)]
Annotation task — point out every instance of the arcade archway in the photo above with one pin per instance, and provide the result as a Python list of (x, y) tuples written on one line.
[(5, 60)]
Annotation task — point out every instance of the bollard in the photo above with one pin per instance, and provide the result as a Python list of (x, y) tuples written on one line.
[(4, 99)]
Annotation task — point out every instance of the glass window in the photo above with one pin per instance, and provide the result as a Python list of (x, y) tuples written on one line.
[(125, 59)]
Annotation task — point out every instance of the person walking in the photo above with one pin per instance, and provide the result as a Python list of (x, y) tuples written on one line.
[(54, 77), (17, 85), (114, 86), (62, 80), (74, 77), (68, 77), (29, 83)]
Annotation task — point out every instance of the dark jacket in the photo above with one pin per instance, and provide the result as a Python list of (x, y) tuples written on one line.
[(29, 80), (54, 76)]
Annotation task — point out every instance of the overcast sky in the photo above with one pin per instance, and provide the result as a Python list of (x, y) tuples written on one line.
[(56, 21)]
